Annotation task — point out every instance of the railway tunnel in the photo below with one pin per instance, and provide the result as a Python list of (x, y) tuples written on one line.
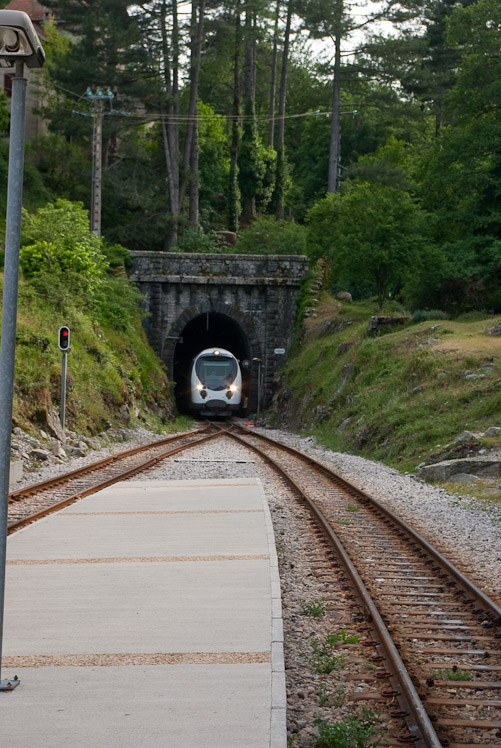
[(207, 330), (245, 303)]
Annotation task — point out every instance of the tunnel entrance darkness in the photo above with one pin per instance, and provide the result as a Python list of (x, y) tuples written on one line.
[(204, 331)]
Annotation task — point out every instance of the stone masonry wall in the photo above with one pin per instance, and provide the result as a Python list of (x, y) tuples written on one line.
[(258, 292)]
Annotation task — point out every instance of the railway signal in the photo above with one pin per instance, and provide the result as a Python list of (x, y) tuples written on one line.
[(64, 338), (64, 346)]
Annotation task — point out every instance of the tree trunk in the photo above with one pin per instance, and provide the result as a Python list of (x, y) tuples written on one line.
[(249, 137), (170, 126), (334, 154), (233, 191), (194, 196), (249, 56), (190, 159), (273, 82), (281, 163)]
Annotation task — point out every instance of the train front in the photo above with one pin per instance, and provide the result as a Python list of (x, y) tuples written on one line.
[(216, 383)]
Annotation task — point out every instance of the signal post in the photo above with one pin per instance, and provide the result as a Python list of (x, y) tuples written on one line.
[(64, 346)]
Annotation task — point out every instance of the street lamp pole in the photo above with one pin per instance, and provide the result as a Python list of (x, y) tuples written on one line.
[(9, 312), (19, 44)]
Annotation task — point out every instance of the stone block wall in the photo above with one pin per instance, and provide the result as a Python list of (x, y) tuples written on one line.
[(258, 293)]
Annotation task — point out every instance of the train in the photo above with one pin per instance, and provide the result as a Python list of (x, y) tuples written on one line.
[(216, 383)]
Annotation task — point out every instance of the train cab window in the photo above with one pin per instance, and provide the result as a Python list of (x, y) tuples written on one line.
[(216, 372)]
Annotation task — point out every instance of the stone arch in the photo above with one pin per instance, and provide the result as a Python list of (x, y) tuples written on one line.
[(243, 321), (227, 327), (257, 293)]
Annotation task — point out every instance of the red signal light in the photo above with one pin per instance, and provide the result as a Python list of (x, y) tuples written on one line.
[(64, 338)]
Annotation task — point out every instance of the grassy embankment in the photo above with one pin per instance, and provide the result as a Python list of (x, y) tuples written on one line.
[(112, 371), (398, 397)]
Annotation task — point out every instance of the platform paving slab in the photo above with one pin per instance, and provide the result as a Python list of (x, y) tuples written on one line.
[(160, 594), (179, 706)]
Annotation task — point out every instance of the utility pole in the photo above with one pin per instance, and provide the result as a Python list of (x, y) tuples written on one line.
[(95, 221), (97, 156)]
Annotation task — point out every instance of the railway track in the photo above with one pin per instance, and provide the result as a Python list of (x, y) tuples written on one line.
[(434, 636), (36, 501)]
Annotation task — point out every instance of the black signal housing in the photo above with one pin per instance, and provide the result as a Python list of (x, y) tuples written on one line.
[(64, 338)]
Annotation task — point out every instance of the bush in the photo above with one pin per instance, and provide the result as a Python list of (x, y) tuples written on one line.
[(196, 240), (57, 238), (267, 236)]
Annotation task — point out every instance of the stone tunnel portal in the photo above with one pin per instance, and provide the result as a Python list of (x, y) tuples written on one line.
[(246, 303), (204, 331)]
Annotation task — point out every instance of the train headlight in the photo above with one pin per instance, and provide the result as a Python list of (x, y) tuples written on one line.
[(199, 387), (233, 388)]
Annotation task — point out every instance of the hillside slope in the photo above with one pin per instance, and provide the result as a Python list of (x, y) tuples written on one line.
[(401, 397), (113, 375)]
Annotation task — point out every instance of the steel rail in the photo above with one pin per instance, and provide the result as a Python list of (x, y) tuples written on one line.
[(409, 695), (65, 477), (463, 581), (104, 484)]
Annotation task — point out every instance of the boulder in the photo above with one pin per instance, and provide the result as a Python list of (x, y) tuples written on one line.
[(39, 454), (447, 470), (496, 330), (124, 413), (343, 296), (57, 450), (493, 431), (466, 436), (49, 417)]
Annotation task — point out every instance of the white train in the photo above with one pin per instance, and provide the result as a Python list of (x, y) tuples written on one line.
[(216, 383)]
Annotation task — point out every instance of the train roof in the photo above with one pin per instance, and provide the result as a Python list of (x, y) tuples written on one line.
[(212, 352)]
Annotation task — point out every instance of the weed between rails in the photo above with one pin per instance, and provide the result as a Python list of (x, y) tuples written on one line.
[(355, 731)]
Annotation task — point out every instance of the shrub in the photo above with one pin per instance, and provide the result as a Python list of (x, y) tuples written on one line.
[(57, 238), (269, 237)]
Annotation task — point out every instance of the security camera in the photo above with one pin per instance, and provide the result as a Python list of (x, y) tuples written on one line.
[(19, 40)]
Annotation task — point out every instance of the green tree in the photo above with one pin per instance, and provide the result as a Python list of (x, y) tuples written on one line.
[(374, 236), (462, 173)]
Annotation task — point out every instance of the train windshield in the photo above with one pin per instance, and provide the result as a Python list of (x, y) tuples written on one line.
[(216, 372)]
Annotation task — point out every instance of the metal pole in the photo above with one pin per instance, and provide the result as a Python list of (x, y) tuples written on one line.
[(258, 388), (63, 389), (9, 313)]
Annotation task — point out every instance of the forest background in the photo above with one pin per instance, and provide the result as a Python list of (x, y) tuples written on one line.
[(300, 125)]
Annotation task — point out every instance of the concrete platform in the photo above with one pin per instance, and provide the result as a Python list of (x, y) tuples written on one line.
[(147, 615)]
